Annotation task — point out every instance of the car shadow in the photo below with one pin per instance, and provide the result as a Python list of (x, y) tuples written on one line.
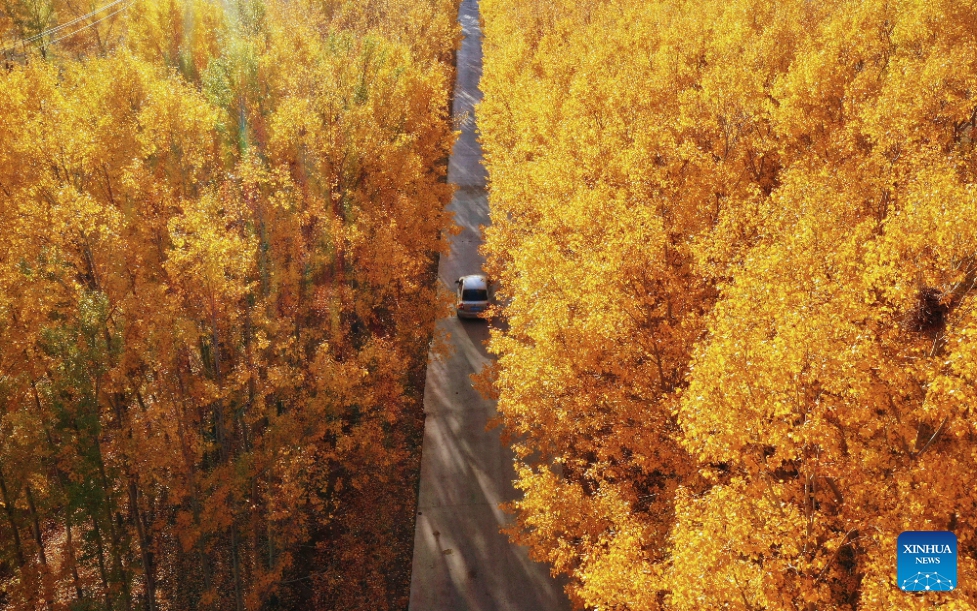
[(477, 330)]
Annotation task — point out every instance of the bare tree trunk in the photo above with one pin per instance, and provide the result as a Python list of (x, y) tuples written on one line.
[(71, 558), (9, 507), (225, 455), (236, 566), (36, 524), (59, 478), (103, 573), (195, 504), (36, 528), (145, 550)]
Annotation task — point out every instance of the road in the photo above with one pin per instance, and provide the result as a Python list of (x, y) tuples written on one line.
[(461, 560)]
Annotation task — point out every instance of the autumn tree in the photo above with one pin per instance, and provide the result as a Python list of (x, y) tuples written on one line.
[(215, 305), (735, 240)]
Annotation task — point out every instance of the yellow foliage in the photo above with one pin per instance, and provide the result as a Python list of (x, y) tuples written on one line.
[(738, 241), (216, 299)]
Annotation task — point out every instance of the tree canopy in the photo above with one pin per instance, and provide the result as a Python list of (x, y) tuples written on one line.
[(220, 223), (738, 242)]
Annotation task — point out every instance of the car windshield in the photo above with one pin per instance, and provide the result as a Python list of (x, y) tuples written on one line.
[(474, 295)]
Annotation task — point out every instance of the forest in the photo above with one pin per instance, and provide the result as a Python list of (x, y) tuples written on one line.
[(737, 242), (736, 257), (220, 224)]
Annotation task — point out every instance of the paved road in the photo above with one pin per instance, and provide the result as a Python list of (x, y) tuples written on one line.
[(461, 561)]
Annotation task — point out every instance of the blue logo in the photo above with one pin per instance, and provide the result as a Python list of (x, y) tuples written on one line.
[(927, 561)]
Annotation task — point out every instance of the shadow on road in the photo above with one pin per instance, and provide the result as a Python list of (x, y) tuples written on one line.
[(462, 562), (478, 334)]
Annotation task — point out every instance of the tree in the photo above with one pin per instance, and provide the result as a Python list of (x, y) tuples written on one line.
[(216, 307), (733, 236)]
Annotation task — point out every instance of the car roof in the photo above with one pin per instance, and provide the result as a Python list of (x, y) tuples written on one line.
[(474, 281)]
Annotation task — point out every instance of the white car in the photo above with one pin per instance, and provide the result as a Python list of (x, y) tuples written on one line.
[(473, 296)]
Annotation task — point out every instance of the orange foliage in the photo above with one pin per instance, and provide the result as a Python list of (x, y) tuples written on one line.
[(738, 241), (216, 299)]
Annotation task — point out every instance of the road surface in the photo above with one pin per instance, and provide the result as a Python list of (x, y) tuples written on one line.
[(461, 560)]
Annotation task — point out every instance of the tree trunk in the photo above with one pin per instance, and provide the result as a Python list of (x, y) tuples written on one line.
[(74, 563), (225, 455), (145, 550), (9, 507), (36, 525)]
